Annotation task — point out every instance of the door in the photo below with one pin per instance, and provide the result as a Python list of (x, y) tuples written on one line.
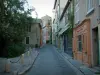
[(96, 46), (65, 43), (85, 57)]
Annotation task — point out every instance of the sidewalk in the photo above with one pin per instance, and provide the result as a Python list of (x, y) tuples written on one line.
[(85, 70), (17, 67), (78, 65)]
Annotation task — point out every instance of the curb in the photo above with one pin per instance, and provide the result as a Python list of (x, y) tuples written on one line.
[(71, 65), (27, 69), (78, 69)]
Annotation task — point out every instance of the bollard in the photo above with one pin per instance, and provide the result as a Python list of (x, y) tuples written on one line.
[(22, 58), (7, 66), (30, 50), (28, 53)]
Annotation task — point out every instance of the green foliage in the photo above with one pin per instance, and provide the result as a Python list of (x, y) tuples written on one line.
[(14, 20), (15, 50)]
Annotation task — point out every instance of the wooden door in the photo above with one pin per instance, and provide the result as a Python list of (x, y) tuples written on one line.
[(84, 49)]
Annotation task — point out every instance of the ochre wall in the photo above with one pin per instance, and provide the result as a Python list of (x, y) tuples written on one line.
[(84, 30)]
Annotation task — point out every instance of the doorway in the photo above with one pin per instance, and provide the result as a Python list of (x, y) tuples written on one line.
[(96, 46), (65, 43)]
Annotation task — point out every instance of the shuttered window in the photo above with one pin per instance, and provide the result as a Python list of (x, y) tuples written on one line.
[(80, 43)]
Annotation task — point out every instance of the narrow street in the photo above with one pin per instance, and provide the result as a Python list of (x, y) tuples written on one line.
[(49, 62)]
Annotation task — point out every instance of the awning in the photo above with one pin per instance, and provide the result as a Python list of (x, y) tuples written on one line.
[(63, 30)]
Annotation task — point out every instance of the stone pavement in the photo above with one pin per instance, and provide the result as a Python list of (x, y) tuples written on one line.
[(50, 62), (85, 70), (18, 65), (79, 65)]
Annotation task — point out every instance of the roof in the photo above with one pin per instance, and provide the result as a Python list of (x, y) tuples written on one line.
[(55, 4), (66, 6), (37, 21), (45, 16)]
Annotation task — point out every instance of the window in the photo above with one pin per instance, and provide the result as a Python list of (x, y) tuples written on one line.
[(80, 43), (77, 13), (89, 5), (58, 13), (29, 28), (67, 14), (27, 40)]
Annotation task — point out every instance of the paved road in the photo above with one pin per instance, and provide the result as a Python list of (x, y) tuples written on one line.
[(49, 62)]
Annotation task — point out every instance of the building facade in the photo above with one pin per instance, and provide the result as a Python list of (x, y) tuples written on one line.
[(86, 45), (34, 35), (47, 28), (64, 36), (66, 23), (84, 41), (54, 28)]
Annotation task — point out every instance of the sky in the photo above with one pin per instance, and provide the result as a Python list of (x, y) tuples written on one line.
[(42, 7)]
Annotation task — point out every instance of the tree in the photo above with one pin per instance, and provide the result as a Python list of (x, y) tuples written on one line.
[(14, 20)]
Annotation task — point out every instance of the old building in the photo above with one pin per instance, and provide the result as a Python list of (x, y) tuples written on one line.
[(85, 32), (56, 21), (54, 31), (64, 36), (66, 24), (47, 28), (34, 35)]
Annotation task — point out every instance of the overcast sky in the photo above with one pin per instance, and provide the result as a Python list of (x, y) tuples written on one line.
[(43, 7)]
